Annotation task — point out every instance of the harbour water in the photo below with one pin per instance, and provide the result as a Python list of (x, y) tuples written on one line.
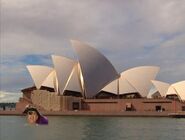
[(93, 128)]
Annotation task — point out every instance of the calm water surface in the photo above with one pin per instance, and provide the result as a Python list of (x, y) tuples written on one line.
[(93, 128)]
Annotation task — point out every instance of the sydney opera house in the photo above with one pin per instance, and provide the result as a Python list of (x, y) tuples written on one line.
[(92, 84)]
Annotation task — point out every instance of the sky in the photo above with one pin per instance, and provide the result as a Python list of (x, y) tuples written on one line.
[(129, 33)]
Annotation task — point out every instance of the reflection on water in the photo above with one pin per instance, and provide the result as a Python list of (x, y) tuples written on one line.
[(93, 128)]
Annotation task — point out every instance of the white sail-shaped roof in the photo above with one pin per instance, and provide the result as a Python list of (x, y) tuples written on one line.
[(154, 94), (180, 89), (97, 71), (39, 73), (140, 78), (50, 80), (171, 90), (74, 83), (63, 67), (120, 86), (125, 86), (56, 83), (161, 87), (112, 87)]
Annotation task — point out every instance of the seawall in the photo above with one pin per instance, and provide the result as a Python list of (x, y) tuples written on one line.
[(106, 114)]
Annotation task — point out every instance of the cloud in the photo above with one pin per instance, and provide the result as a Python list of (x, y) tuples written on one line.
[(175, 42), (128, 33), (14, 74), (8, 97), (164, 16)]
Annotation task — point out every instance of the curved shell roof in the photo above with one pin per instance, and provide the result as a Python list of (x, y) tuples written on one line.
[(96, 69), (50, 81), (75, 83), (125, 86), (122, 87), (161, 87), (112, 87), (63, 67), (39, 74), (180, 89), (140, 78), (171, 90)]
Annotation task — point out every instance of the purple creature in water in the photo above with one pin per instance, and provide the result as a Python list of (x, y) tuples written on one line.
[(34, 116)]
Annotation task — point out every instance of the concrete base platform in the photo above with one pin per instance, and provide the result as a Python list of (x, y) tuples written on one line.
[(11, 113), (177, 115), (87, 113)]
